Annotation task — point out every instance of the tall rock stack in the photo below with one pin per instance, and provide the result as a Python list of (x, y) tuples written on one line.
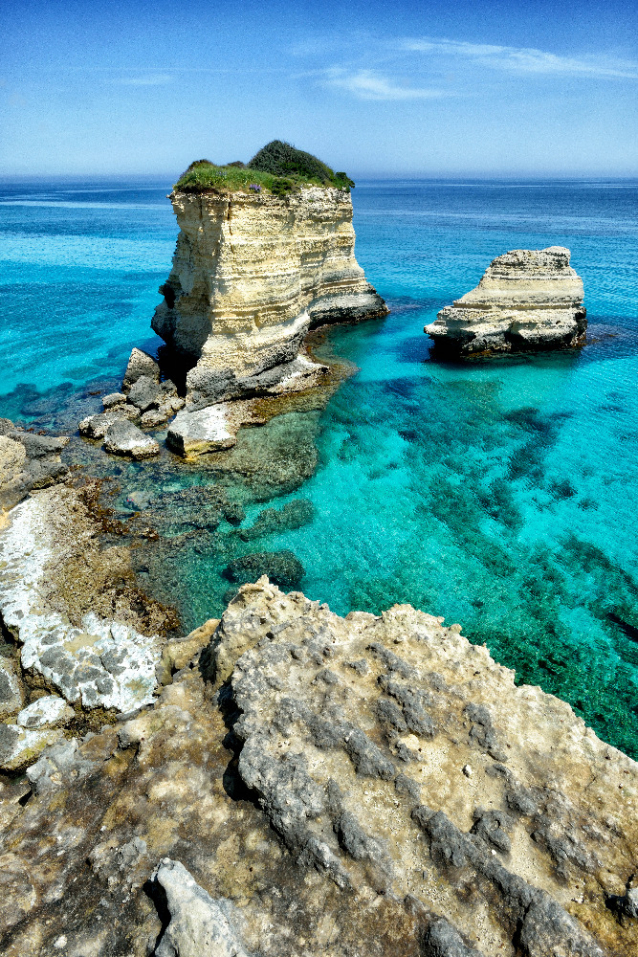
[(252, 273), (528, 300)]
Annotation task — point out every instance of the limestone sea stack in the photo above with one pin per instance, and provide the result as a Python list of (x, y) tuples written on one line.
[(528, 300), (258, 264)]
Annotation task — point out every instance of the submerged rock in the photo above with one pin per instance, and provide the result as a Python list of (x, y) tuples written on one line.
[(283, 568), (294, 514), (251, 274), (527, 300)]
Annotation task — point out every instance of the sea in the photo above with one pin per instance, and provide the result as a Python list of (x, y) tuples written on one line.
[(501, 494)]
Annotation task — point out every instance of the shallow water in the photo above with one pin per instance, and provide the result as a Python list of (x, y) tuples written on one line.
[(499, 494)]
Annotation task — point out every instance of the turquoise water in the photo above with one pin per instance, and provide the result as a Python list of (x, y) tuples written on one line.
[(500, 494)]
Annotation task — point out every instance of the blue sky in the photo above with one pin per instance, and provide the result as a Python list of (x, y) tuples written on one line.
[(376, 88)]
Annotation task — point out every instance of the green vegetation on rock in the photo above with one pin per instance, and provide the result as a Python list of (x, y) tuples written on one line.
[(278, 168)]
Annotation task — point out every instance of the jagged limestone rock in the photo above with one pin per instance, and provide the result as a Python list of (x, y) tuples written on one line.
[(199, 924), (10, 691), (20, 747), (251, 274), (527, 300), (51, 568), (313, 770), (50, 711)]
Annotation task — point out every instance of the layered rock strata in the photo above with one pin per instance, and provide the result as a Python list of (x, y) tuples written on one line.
[(312, 785), (528, 300), (251, 275)]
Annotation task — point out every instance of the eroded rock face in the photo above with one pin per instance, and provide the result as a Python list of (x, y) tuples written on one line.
[(53, 579), (527, 300), (27, 461), (315, 786), (251, 275)]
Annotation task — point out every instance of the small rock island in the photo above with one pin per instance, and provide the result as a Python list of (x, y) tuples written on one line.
[(265, 253), (261, 258), (527, 300)]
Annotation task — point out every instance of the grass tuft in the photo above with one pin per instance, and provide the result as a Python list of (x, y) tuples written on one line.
[(278, 168)]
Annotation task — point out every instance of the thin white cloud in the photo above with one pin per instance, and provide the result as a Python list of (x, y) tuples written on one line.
[(149, 79), (369, 85), (525, 59)]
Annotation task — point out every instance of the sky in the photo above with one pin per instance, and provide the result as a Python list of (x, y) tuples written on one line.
[(375, 88)]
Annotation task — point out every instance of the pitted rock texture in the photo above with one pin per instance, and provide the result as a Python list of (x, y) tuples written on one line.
[(527, 300), (361, 772), (27, 461), (251, 274), (55, 586), (303, 775)]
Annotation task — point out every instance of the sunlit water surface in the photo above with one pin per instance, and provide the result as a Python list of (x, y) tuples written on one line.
[(500, 494)]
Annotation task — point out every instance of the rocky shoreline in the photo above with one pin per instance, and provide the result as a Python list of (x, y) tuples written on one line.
[(306, 784)]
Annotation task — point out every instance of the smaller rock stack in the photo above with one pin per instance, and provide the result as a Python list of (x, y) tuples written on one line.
[(528, 300)]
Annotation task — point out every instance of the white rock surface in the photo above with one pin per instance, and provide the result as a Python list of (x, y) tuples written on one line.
[(124, 438), (20, 747), (527, 300), (200, 926), (48, 712), (100, 663)]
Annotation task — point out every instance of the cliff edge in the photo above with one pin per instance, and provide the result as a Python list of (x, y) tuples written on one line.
[(313, 786), (527, 300)]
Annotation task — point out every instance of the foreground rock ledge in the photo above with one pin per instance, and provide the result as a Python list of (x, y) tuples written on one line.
[(528, 300), (313, 785)]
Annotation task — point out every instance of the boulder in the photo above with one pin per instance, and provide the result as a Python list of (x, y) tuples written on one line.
[(140, 364), (202, 430), (96, 426), (124, 438), (199, 925), (144, 393), (528, 300), (113, 399)]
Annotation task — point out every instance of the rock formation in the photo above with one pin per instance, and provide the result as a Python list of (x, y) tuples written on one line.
[(527, 300), (72, 609), (251, 275), (27, 461), (311, 785)]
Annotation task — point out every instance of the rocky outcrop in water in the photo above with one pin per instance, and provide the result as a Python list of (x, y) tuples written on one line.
[(313, 785), (28, 460), (528, 300), (251, 274)]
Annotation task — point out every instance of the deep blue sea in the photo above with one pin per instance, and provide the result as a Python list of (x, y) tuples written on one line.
[(500, 494)]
